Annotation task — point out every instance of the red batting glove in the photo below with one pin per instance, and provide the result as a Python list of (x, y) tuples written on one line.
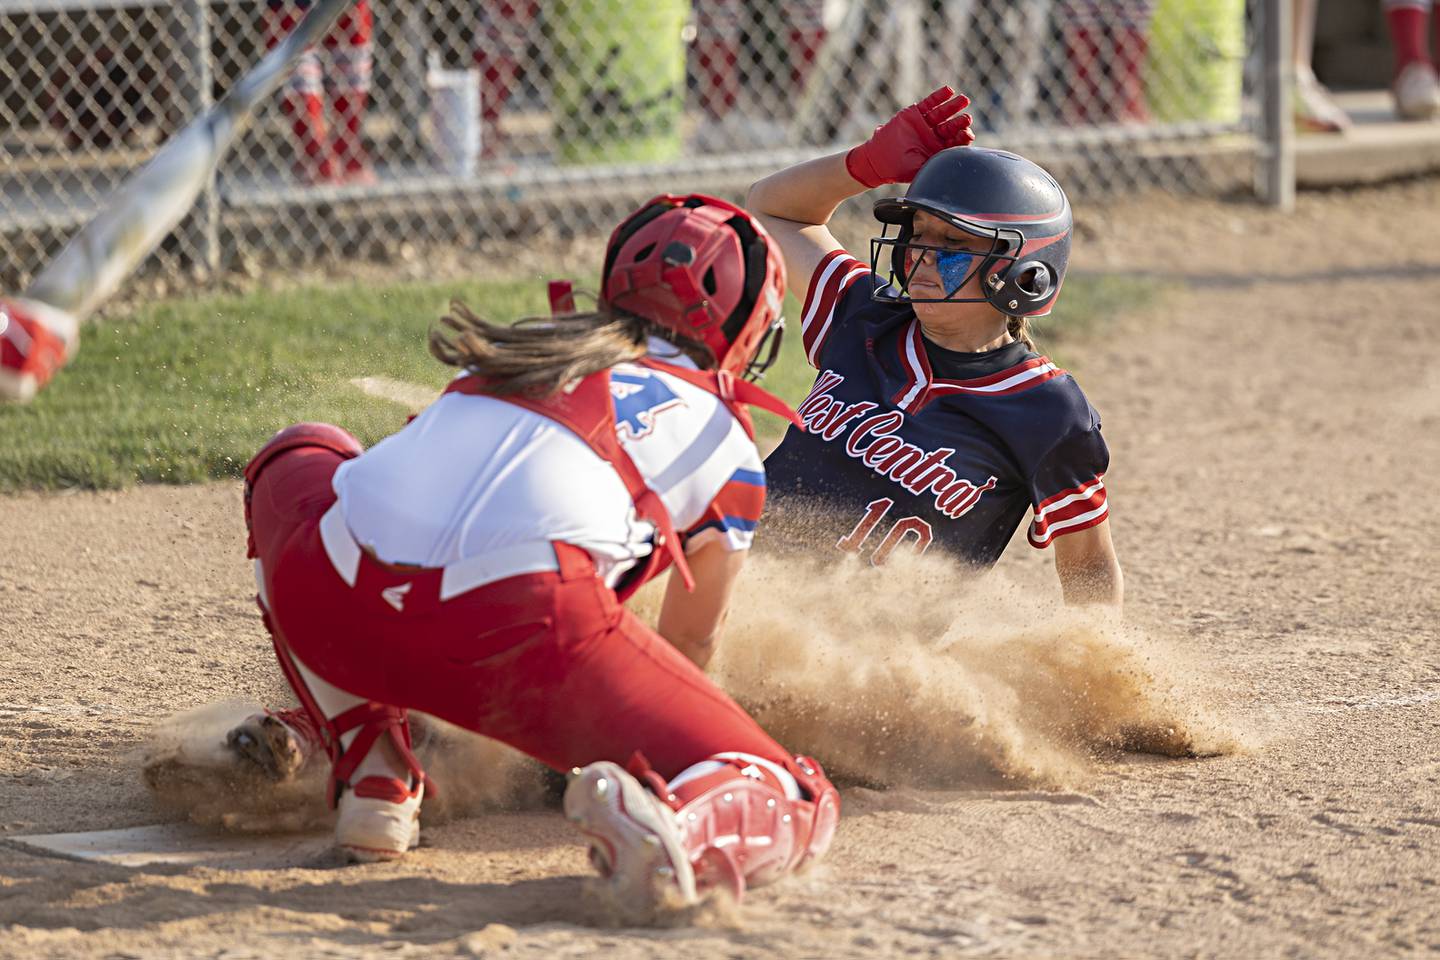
[(900, 146)]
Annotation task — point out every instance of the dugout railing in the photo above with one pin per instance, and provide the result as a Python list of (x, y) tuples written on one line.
[(521, 118)]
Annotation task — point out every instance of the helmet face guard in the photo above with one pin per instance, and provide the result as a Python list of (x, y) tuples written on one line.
[(767, 351), (991, 195), (956, 267)]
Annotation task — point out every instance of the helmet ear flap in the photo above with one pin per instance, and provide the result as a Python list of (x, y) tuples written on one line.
[(1034, 279), (992, 276), (1026, 285)]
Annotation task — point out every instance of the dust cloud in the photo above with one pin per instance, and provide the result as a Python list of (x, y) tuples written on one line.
[(190, 771), (919, 676), (914, 676)]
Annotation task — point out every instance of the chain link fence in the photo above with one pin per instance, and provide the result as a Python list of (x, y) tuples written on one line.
[(450, 122)]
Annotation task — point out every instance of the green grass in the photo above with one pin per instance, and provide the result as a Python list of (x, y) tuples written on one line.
[(186, 390)]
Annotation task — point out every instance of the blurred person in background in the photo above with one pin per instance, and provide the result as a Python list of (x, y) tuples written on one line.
[(330, 148), (1105, 45), (505, 32), (749, 62), (1415, 87), (1315, 111)]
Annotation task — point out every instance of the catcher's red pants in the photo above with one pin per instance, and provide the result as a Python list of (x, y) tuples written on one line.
[(549, 663)]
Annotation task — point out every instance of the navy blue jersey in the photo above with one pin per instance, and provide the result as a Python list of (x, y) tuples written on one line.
[(893, 455)]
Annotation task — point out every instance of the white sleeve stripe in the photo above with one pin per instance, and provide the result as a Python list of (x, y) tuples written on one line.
[(1084, 493), (734, 540), (1053, 529), (821, 289), (819, 340)]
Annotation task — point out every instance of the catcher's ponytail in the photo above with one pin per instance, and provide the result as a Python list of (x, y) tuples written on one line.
[(540, 355)]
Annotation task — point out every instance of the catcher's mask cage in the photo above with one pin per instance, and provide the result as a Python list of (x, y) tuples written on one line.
[(991, 195), (705, 270)]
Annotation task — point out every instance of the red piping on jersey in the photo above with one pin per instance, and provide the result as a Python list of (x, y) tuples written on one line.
[(815, 320), (1056, 518), (1043, 505), (911, 347)]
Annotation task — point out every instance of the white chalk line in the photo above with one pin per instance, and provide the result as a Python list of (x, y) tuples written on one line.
[(409, 395)]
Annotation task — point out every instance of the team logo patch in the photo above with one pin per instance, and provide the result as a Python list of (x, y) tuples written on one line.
[(640, 398)]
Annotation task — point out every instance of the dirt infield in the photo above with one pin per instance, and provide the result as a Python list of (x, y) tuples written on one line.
[(1273, 424)]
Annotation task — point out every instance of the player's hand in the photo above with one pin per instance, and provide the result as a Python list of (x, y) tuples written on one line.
[(900, 146)]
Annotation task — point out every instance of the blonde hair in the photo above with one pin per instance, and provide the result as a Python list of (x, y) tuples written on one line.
[(539, 355), (1019, 328)]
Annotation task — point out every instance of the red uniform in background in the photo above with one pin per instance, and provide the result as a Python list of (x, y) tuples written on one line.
[(762, 46), (1105, 46), (330, 148)]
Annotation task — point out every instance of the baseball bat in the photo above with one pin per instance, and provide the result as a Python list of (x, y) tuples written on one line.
[(148, 205)]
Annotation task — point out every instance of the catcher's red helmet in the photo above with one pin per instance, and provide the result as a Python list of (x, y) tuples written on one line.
[(705, 269)]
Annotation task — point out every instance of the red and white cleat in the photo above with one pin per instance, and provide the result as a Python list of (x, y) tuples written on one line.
[(36, 340), (635, 839), (379, 819)]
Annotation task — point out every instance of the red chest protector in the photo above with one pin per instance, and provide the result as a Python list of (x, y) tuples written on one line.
[(587, 409)]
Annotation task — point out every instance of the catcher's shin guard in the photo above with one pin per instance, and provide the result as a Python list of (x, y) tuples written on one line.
[(748, 821), (733, 821), (379, 813)]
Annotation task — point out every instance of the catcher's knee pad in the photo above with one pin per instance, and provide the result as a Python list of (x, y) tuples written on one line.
[(748, 821), (326, 436)]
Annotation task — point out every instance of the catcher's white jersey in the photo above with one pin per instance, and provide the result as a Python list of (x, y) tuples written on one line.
[(473, 474)]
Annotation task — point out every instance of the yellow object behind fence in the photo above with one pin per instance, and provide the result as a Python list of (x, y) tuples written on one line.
[(1196, 62), (619, 83)]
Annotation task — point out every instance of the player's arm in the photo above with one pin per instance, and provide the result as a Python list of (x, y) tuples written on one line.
[(1072, 512), (692, 620), (1087, 566), (796, 203)]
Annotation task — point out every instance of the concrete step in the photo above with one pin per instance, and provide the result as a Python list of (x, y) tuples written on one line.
[(1378, 147)]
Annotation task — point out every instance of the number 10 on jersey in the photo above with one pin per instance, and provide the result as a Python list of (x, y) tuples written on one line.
[(875, 511)]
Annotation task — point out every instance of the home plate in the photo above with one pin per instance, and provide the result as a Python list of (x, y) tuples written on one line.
[(185, 844)]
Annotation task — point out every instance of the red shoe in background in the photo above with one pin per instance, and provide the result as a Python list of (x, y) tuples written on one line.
[(36, 340)]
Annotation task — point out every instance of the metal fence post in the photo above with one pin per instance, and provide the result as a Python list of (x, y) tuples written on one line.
[(199, 85), (1278, 155)]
